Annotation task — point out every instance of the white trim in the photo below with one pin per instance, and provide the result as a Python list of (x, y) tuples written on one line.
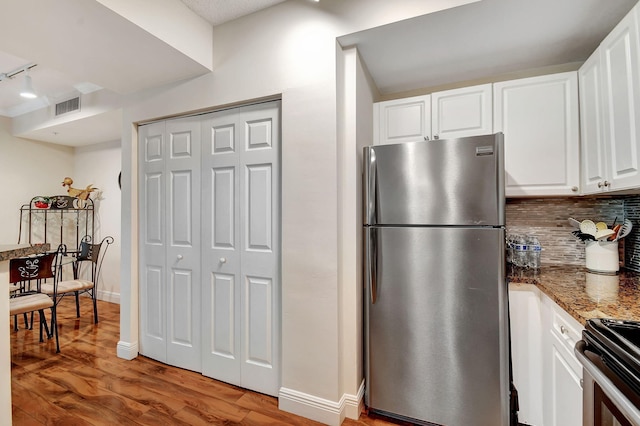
[(320, 409), (108, 296), (127, 350), (354, 404)]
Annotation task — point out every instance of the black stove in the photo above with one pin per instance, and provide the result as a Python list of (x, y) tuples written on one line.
[(610, 353), (618, 342)]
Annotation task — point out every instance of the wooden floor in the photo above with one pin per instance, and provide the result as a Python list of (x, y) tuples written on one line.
[(87, 384)]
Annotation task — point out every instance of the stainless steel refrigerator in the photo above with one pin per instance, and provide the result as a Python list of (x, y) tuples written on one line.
[(436, 315)]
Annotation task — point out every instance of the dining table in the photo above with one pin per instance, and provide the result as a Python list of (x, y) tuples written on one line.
[(8, 252)]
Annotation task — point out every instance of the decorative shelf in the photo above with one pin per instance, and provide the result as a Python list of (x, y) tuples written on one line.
[(56, 220)]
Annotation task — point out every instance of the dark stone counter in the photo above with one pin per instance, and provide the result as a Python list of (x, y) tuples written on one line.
[(9, 251), (583, 294)]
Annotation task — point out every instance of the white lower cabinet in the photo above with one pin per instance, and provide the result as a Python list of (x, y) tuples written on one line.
[(546, 373), (526, 343), (562, 372)]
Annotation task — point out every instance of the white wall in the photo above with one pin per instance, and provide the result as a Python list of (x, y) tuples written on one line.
[(100, 165), (27, 168), (290, 51), (355, 131)]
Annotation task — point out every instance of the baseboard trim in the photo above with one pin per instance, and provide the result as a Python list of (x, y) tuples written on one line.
[(109, 296), (319, 409), (354, 404), (126, 350)]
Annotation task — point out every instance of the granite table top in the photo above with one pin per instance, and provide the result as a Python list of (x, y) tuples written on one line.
[(9, 251), (583, 294)]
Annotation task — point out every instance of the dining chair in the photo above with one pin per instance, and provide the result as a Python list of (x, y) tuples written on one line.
[(86, 264), (29, 274)]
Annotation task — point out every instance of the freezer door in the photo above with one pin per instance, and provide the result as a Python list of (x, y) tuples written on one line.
[(436, 338), (439, 182)]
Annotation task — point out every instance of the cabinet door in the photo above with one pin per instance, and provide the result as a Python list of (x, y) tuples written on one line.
[(526, 352), (402, 120), (562, 395), (539, 119), (462, 112), (621, 96), (593, 151), (566, 407)]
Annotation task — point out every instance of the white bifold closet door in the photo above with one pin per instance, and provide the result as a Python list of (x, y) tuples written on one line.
[(241, 246), (170, 242), (210, 244)]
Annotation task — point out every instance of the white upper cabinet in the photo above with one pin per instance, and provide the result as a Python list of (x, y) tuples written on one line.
[(539, 119), (462, 112), (441, 115), (610, 111), (402, 120)]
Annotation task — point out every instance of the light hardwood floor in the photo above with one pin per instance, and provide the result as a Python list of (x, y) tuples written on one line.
[(87, 384)]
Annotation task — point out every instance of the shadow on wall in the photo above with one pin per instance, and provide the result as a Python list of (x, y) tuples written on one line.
[(546, 218)]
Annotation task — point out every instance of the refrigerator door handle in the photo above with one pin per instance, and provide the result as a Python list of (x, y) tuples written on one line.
[(370, 182), (371, 256)]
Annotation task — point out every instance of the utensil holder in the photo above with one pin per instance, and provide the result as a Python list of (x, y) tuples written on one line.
[(602, 256)]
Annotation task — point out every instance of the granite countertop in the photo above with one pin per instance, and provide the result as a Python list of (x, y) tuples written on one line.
[(583, 294), (9, 251)]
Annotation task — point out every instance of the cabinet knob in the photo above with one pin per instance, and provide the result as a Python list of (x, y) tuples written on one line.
[(223, 260), (607, 183), (600, 184), (581, 383), (179, 257), (426, 138), (574, 188), (436, 137), (563, 329)]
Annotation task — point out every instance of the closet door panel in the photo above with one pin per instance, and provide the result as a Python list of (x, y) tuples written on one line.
[(152, 239), (260, 215), (183, 244), (220, 255)]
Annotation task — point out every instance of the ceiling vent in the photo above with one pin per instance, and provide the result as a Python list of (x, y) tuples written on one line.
[(68, 106)]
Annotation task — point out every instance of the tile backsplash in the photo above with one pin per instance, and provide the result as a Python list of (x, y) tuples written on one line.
[(546, 218)]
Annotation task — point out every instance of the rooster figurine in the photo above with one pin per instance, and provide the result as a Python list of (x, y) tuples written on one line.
[(82, 194)]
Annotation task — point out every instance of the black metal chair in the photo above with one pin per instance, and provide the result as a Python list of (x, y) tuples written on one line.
[(87, 264), (30, 273)]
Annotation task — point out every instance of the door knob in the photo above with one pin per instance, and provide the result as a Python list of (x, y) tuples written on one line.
[(179, 257), (223, 260)]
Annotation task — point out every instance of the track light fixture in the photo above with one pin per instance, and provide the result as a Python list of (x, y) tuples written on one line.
[(27, 88), (27, 85)]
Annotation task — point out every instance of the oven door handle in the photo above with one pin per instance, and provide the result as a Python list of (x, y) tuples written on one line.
[(624, 405)]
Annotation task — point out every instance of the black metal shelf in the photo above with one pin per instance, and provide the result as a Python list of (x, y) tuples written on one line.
[(56, 219)]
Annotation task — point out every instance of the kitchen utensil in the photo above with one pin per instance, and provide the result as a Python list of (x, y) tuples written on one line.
[(603, 234), (583, 237), (616, 229), (625, 229), (574, 223), (601, 226), (588, 227)]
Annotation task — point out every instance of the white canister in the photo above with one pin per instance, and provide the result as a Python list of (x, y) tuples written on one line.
[(602, 256)]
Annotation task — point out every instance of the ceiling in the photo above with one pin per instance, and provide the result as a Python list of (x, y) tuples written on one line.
[(466, 43)]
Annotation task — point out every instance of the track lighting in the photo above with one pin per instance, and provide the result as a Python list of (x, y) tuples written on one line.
[(27, 88)]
